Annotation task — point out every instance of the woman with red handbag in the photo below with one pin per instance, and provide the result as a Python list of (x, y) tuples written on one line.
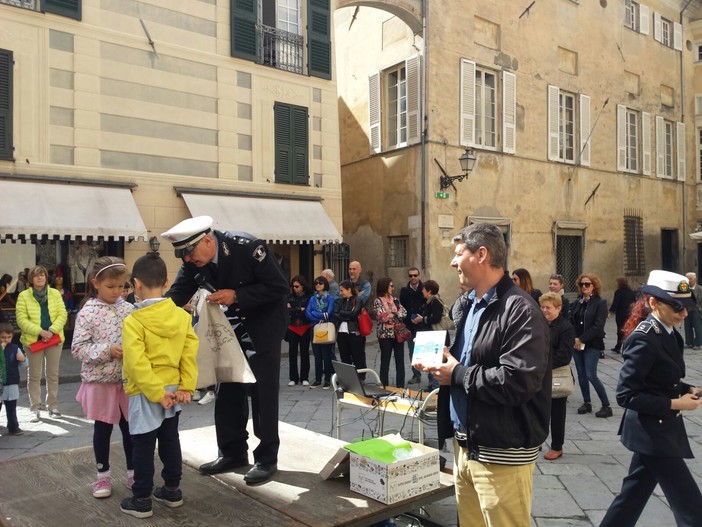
[(350, 337), (392, 333), (41, 316)]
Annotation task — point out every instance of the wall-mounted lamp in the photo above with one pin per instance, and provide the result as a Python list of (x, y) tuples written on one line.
[(154, 244), (467, 161)]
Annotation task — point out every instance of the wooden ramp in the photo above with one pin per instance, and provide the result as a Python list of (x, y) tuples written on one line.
[(55, 489)]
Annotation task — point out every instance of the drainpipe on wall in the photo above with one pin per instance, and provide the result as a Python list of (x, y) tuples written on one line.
[(682, 120), (423, 144)]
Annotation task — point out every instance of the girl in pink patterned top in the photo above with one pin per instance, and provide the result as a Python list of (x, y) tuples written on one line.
[(97, 343)]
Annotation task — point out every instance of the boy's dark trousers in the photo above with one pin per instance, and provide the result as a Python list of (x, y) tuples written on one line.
[(11, 411), (143, 447)]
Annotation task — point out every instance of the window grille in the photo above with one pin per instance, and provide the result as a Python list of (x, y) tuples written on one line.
[(398, 251), (634, 256), (336, 257), (569, 260)]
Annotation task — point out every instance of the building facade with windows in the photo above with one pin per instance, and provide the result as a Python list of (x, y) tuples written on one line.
[(581, 116), (120, 118)]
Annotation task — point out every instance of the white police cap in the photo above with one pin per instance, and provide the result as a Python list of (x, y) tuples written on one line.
[(671, 288), (188, 233)]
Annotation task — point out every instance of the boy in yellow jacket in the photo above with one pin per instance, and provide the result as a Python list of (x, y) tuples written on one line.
[(159, 347)]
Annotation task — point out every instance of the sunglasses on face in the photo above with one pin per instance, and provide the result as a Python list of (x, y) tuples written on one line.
[(676, 306), (413, 275), (585, 284), (319, 283)]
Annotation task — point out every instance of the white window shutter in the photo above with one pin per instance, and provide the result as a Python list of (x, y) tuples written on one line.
[(374, 112), (644, 20), (646, 142), (621, 137), (414, 103), (660, 141), (553, 118), (584, 131), (677, 36), (509, 113), (657, 27), (467, 131), (680, 137)]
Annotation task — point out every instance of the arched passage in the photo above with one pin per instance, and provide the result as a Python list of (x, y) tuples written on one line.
[(409, 11)]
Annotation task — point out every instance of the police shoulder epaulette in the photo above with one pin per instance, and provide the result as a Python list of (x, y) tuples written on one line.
[(646, 326)]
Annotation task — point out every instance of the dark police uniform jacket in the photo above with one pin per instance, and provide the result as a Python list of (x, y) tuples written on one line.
[(650, 377), (247, 265)]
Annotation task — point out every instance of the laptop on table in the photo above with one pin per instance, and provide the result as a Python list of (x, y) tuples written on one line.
[(348, 380)]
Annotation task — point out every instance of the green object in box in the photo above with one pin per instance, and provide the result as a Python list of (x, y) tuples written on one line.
[(380, 448)]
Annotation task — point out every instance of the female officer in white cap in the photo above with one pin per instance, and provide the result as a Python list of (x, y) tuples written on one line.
[(652, 391)]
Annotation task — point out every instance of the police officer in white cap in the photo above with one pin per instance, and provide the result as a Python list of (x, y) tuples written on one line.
[(654, 395), (245, 275)]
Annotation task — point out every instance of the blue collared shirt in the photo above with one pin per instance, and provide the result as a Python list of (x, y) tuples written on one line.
[(464, 343)]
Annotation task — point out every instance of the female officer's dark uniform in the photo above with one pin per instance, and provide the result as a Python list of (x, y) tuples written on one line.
[(650, 377)]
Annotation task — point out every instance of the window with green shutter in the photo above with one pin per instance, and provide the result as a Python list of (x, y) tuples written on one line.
[(291, 144), (243, 28), (319, 38), (67, 8), (6, 64)]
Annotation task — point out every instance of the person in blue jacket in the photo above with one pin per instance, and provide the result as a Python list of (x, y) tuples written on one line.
[(320, 309)]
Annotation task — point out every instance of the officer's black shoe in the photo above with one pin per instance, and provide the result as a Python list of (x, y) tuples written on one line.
[(260, 473), (223, 464)]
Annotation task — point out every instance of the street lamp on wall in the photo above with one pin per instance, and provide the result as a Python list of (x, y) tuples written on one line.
[(467, 161), (154, 244)]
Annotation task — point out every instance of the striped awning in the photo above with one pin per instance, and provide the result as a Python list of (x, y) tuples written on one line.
[(33, 209), (272, 220)]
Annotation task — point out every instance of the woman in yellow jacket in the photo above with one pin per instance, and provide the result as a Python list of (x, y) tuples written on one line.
[(41, 314)]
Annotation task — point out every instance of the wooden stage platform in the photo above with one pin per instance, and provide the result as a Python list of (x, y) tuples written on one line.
[(55, 489)]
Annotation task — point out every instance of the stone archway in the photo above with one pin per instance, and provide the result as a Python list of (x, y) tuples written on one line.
[(409, 11)]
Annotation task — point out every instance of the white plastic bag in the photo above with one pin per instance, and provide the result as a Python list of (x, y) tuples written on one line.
[(219, 357)]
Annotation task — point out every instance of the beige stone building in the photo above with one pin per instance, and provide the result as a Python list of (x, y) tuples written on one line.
[(120, 118), (581, 115)]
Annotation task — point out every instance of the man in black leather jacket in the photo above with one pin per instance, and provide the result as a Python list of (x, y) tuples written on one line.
[(499, 376)]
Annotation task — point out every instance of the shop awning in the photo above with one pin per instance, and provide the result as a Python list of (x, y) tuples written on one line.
[(273, 220), (39, 209)]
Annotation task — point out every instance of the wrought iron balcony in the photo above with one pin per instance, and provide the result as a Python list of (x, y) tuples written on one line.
[(280, 49), (32, 5)]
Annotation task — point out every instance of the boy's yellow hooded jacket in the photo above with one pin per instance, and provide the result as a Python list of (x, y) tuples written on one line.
[(160, 348)]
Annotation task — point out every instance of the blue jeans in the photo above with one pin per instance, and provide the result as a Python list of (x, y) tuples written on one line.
[(586, 366)]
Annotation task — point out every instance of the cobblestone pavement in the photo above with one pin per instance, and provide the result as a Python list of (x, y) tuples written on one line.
[(575, 490)]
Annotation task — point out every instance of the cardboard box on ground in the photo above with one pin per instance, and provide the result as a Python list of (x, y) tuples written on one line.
[(388, 481)]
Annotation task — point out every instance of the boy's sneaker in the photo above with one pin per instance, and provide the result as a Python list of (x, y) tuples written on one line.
[(197, 395), (169, 497), (55, 414), (315, 384), (129, 482), (326, 386), (16, 432), (137, 507), (102, 488), (36, 418), (305, 383)]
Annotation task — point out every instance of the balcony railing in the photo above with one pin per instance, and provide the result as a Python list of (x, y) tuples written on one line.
[(280, 49), (25, 4)]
